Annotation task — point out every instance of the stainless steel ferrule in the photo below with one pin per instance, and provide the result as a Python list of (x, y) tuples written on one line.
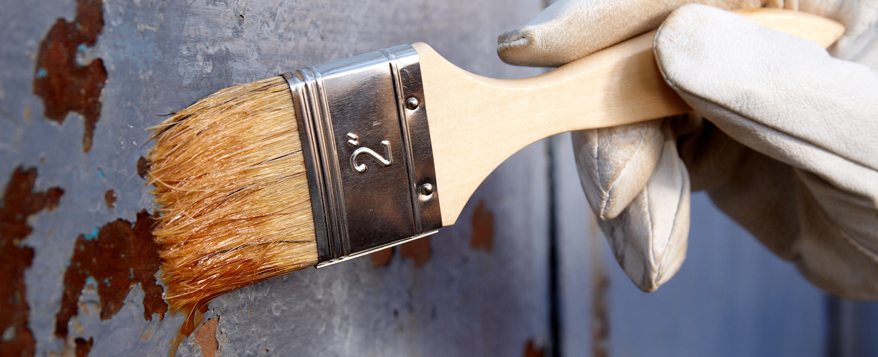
[(366, 141)]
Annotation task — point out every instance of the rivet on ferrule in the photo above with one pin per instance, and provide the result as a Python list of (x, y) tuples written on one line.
[(412, 103), (426, 191)]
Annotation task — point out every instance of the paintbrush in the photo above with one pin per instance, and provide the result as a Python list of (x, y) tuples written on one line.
[(335, 161)]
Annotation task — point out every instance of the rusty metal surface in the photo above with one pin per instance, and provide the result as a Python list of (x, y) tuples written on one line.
[(88, 290), (78, 277)]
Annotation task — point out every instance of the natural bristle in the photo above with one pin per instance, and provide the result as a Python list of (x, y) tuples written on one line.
[(233, 195)]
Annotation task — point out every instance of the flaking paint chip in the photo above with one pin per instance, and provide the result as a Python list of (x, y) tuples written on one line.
[(206, 338), (20, 203), (117, 256), (110, 199), (65, 85)]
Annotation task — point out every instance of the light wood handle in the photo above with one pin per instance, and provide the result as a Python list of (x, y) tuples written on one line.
[(477, 122)]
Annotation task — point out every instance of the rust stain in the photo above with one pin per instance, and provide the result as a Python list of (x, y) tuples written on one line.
[(110, 199), (483, 228), (146, 334), (418, 250), (532, 350), (600, 320), (143, 166), (206, 338), (19, 203), (600, 326), (117, 255), (64, 85), (83, 347), (382, 257)]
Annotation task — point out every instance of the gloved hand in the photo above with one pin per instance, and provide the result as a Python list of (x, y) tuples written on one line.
[(789, 148)]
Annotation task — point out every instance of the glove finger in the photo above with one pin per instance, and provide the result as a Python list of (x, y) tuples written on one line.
[(779, 94), (571, 29), (615, 163), (787, 99), (649, 237)]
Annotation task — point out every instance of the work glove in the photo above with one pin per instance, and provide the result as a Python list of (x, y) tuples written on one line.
[(784, 137)]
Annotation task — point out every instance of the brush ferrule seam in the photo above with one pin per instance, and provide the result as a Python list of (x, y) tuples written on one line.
[(303, 88), (406, 138), (362, 122)]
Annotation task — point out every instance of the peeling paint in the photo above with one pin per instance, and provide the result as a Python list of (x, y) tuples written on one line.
[(143, 166), (532, 350), (121, 255), (20, 202), (417, 250), (206, 338), (382, 257), (110, 199), (63, 84), (483, 228), (83, 347)]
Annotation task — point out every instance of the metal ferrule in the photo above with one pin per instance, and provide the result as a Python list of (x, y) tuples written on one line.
[(366, 142)]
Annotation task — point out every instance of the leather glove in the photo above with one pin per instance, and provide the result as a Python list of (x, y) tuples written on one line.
[(789, 147)]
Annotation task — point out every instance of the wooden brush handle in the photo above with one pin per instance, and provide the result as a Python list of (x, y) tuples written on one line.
[(477, 122)]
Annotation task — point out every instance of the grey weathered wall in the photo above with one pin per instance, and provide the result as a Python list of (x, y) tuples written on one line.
[(731, 297), (441, 296), (81, 80)]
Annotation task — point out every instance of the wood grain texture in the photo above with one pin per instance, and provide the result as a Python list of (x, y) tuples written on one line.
[(477, 122)]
